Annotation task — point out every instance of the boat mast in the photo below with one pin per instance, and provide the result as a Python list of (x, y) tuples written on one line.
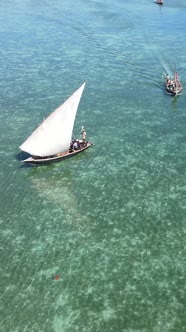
[(175, 78)]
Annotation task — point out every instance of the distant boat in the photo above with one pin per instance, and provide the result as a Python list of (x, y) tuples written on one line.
[(173, 86), (52, 140), (159, 2)]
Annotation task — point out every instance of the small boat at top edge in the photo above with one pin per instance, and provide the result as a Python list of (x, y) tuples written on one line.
[(159, 2)]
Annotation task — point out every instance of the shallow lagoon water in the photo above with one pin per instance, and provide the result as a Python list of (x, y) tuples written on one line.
[(110, 222)]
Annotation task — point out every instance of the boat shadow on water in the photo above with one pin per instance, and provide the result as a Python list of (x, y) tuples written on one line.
[(20, 156), (58, 189)]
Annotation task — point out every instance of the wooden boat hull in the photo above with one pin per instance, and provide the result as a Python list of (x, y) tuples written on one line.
[(174, 92), (56, 158)]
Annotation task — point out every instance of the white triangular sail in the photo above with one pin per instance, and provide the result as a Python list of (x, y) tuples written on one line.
[(54, 134)]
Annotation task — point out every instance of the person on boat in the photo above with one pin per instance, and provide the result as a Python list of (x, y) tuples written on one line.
[(75, 145), (167, 79), (84, 134), (71, 146)]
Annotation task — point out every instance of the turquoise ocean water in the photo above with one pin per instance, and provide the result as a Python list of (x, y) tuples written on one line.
[(96, 243)]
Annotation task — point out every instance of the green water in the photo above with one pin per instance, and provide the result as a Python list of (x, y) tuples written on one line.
[(96, 243)]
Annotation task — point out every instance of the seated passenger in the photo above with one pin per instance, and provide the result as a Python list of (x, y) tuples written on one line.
[(75, 145)]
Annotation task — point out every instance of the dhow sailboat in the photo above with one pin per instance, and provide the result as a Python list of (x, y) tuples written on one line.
[(52, 140)]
